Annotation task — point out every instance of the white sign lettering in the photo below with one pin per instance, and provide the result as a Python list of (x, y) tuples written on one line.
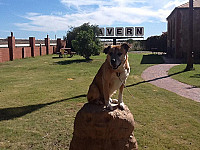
[(139, 31), (109, 31), (129, 31), (121, 31), (101, 31)]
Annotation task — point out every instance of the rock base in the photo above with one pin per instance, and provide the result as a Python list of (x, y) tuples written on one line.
[(96, 128)]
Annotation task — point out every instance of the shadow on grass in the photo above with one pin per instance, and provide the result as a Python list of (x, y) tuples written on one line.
[(14, 112), (195, 76), (67, 62), (155, 79), (57, 57), (152, 59)]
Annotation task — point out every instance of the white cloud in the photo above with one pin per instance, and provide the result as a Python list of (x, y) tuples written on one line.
[(43, 23), (33, 14), (175, 3), (101, 12), (82, 2)]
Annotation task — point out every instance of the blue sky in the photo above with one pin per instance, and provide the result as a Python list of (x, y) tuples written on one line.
[(54, 17)]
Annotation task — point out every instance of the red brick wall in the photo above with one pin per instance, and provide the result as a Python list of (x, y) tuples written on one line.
[(4, 54), (43, 49), (11, 53), (47, 44), (50, 49), (54, 49), (17, 53), (63, 43), (32, 45), (27, 52), (1, 57), (11, 46), (37, 51)]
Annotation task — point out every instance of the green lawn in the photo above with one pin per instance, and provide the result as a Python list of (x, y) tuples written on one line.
[(188, 77), (39, 98)]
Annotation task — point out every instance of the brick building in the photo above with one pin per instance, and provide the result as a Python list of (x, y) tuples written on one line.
[(178, 31)]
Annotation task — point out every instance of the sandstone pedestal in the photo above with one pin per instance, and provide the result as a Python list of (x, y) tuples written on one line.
[(96, 128)]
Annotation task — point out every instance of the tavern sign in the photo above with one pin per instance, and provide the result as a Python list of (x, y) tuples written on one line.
[(121, 31)]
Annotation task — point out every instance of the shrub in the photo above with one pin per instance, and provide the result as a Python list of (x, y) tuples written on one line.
[(84, 40)]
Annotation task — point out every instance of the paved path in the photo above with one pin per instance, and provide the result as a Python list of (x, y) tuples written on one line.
[(158, 75)]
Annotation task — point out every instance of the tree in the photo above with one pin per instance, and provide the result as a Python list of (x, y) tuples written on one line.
[(130, 41), (152, 43), (158, 43), (85, 45), (84, 41)]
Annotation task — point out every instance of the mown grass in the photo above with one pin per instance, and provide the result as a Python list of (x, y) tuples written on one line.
[(189, 77), (39, 98)]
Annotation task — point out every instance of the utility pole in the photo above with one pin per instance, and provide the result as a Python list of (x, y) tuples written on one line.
[(190, 53)]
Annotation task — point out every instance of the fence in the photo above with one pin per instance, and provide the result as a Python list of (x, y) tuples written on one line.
[(19, 52)]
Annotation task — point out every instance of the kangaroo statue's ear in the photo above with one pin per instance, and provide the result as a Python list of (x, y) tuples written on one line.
[(125, 46), (106, 49)]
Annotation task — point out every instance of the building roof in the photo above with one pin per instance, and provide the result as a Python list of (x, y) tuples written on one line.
[(196, 3)]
